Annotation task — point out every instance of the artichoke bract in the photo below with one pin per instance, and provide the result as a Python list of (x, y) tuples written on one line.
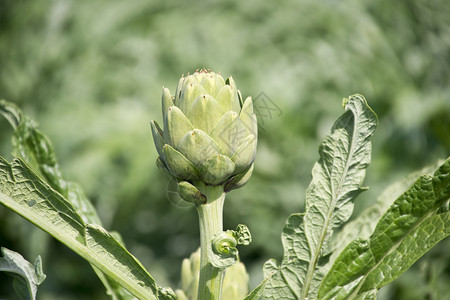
[(209, 136)]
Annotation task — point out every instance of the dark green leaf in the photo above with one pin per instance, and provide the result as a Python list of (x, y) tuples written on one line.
[(414, 223), (364, 225)]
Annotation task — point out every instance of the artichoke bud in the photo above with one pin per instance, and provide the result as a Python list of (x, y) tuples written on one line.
[(209, 134)]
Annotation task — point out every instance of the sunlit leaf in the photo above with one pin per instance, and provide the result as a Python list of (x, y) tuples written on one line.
[(30, 144), (22, 191), (337, 180)]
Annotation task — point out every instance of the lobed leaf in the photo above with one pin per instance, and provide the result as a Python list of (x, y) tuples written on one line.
[(413, 224), (337, 179), (27, 276)]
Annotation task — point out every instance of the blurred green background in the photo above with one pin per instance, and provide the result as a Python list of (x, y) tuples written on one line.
[(91, 73)]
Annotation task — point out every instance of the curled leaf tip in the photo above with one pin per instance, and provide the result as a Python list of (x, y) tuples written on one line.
[(223, 252), (243, 235), (345, 101), (223, 245)]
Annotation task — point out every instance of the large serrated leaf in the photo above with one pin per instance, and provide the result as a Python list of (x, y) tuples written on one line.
[(337, 179), (31, 145), (413, 224), (27, 276), (22, 191)]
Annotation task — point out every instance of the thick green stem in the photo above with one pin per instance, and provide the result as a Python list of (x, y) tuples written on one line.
[(210, 219)]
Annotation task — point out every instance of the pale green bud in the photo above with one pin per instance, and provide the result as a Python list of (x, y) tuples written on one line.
[(209, 134)]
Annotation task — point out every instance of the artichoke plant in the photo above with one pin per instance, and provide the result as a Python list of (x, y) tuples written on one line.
[(209, 135), (208, 145)]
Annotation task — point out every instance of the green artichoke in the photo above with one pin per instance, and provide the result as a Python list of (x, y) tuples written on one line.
[(209, 135)]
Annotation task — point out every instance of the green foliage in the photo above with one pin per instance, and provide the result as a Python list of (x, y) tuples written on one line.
[(34, 147), (27, 277), (91, 72), (364, 225), (27, 194), (414, 223), (337, 179), (22, 191), (309, 268)]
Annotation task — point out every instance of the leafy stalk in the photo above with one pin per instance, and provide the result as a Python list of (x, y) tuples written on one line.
[(210, 219), (337, 180)]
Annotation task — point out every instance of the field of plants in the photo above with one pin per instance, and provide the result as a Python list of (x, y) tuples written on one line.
[(91, 74)]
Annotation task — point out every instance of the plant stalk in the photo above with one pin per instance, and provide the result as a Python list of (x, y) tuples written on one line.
[(211, 222)]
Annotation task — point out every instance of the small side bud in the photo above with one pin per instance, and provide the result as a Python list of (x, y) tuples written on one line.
[(190, 193), (243, 235)]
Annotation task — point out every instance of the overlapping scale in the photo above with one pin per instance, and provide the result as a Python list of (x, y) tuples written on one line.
[(176, 125), (178, 164), (216, 169), (205, 113), (197, 146)]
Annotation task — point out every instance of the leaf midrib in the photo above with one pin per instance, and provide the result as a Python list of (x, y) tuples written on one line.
[(312, 266)]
